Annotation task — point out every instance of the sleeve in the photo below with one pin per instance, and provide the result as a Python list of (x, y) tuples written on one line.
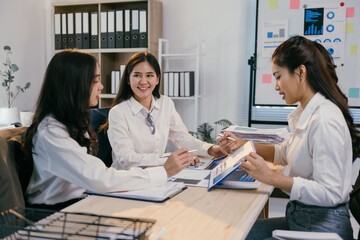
[(124, 155), (181, 137), (65, 158), (326, 142)]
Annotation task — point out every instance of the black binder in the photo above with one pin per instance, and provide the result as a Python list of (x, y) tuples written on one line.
[(78, 30), (70, 30), (94, 41), (111, 29), (143, 35), (189, 84), (63, 31), (85, 30), (127, 34), (119, 43), (57, 31), (134, 28), (103, 29)]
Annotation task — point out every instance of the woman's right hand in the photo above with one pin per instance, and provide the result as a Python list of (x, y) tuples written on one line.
[(177, 161), (229, 145)]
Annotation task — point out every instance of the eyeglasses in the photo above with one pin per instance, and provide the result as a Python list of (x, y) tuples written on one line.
[(150, 123)]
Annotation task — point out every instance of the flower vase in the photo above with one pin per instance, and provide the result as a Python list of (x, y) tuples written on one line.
[(9, 116)]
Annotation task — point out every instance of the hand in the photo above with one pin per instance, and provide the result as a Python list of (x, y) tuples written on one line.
[(217, 151), (256, 166), (178, 160), (228, 145)]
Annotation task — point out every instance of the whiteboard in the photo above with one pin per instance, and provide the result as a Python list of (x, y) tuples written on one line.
[(280, 19)]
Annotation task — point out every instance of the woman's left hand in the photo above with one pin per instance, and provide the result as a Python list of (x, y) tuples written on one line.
[(256, 166), (217, 151)]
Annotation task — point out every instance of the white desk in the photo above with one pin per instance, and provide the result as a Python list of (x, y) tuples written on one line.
[(193, 214)]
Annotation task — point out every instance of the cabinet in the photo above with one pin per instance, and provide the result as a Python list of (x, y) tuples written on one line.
[(178, 63), (110, 59)]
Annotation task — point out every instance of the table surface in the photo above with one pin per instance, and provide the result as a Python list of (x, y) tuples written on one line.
[(195, 213)]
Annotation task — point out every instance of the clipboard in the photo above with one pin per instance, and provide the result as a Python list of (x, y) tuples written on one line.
[(229, 164), (156, 194)]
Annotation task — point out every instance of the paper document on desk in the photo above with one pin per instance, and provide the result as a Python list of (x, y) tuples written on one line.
[(275, 135), (156, 194)]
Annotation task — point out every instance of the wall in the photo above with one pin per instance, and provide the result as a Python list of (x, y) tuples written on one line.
[(22, 27), (228, 28)]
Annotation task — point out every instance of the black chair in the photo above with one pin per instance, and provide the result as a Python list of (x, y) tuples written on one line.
[(98, 118)]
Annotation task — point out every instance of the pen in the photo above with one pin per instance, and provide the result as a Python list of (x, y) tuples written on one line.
[(38, 227), (229, 138), (165, 155)]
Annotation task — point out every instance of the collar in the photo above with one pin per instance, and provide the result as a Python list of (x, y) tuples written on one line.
[(299, 118), (136, 107)]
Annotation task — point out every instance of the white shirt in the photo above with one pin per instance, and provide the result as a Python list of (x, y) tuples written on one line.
[(319, 154), (63, 169), (131, 139)]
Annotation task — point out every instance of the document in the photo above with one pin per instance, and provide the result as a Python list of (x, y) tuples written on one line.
[(156, 194)]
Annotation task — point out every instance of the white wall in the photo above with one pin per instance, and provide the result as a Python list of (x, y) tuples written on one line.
[(22, 27), (228, 28)]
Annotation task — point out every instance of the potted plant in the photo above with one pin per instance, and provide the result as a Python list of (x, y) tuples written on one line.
[(9, 114), (204, 130)]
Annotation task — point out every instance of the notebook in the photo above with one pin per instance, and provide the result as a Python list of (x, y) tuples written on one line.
[(156, 194)]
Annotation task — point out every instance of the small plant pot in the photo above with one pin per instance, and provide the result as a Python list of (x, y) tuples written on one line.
[(9, 116)]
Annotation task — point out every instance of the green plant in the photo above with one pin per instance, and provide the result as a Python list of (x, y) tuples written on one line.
[(204, 130), (8, 78)]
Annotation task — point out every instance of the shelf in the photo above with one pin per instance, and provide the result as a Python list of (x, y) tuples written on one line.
[(107, 95), (178, 55), (111, 50)]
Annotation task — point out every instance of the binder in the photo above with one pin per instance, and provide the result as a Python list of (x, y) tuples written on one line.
[(117, 81), (111, 29), (103, 29), (182, 84), (85, 30), (119, 43), (70, 30), (189, 84), (78, 30), (134, 28), (166, 84), (94, 42), (143, 36), (57, 29), (113, 82), (127, 34), (171, 84), (63, 31), (176, 84), (156, 194), (122, 69)]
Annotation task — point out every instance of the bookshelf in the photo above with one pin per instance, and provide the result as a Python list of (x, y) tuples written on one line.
[(189, 62), (110, 59)]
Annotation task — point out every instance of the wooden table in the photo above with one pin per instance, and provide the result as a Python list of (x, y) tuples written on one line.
[(193, 214)]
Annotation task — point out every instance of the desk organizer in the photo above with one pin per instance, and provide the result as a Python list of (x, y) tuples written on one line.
[(24, 223)]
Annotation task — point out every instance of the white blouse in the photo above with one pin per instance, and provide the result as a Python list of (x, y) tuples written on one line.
[(63, 170), (319, 154), (131, 139)]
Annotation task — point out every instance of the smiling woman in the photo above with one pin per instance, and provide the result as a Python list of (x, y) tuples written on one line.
[(141, 120)]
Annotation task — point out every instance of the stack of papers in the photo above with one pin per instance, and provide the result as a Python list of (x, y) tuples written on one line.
[(275, 135)]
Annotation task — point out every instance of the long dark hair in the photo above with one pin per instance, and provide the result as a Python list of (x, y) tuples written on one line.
[(321, 75), (125, 92), (65, 94)]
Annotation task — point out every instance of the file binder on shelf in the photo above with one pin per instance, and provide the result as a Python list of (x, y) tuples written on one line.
[(143, 36), (189, 84), (94, 42), (176, 84), (127, 33), (111, 29), (134, 28), (103, 29), (78, 30), (182, 84), (119, 43), (171, 84), (70, 30), (166, 84), (85, 30), (57, 30), (64, 44)]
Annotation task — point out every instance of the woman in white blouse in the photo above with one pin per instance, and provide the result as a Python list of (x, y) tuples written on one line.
[(141, 121), (63, 144), (319, 151)]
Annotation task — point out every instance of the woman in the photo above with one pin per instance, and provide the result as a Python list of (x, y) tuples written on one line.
[(319, 151), (141, 121), (63, 145)]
